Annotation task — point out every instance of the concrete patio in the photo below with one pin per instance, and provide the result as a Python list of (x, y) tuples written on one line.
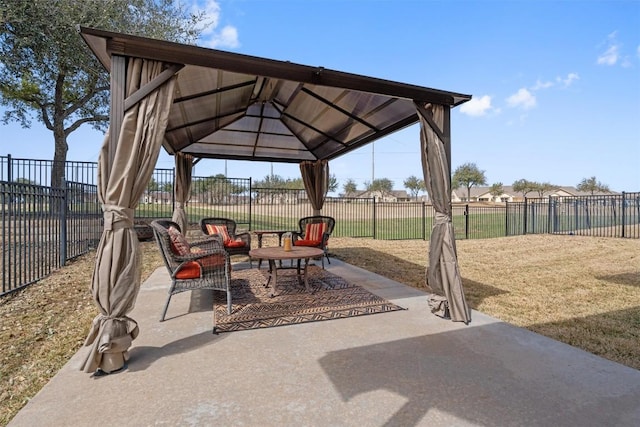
[(403, 368)]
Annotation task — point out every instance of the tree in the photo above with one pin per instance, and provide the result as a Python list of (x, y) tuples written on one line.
[(216, 189), (153, 185), (496, 190), (414, 185), (381, 184), (592, 185), (273, 181), (333, 183), (543, 187), (523, 186), (49, 73), (468, 175), (349, 187), (298, 183), (25, 181)]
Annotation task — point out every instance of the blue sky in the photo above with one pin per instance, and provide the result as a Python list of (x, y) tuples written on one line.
[(555, 84)]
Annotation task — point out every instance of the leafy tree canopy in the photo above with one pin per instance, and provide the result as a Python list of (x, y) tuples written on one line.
[(524, 186), (276, 181), (381, 184), (468, 175), (49, 73), (592, 185), (414, 185), (349, 187), (496, 189), (543, 187)]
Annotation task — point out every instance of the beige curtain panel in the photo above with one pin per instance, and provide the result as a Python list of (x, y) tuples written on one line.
[(184, 167), (443, 273), (121, 183), (315, 176)]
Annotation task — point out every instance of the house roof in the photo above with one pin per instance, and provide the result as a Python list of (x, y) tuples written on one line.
[(479, 191), (234, 106)]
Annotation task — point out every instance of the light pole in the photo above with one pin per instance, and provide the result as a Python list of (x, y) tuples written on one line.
[(373, 162)]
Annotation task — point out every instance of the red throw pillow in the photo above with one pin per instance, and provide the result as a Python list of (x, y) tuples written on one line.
[(179, 244), (314, 231), (221, 230)]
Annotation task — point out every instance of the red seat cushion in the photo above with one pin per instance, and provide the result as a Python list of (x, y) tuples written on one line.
[(234, 244), (305, 242), (190, 270), (193, 269)]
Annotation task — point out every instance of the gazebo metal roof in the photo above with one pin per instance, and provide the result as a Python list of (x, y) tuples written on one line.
[(233, 106)]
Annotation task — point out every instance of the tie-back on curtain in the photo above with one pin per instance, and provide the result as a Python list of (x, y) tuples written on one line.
[(315, 176), (443, 276), (184, 166), (116, 277)]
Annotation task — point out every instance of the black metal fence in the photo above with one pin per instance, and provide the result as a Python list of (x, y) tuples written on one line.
[(616, 215), (43, 227)]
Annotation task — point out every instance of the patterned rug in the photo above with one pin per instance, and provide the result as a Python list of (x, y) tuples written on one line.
[(332, 298)]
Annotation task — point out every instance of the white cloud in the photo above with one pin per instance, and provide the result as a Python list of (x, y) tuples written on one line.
[(542, 85), (477, 106), (568, 81), (211, 12), (611, 55), (227, 37), (210, 35), (522, 99)]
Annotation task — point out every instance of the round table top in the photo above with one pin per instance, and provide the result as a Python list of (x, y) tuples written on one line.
[(278, 252), (273, 231)]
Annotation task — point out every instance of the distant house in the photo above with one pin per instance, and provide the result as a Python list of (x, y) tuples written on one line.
[(158, 198), (380, 196), (482, 194)]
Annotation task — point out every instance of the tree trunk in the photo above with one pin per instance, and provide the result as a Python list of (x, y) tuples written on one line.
[(59, 157), (58, 168)]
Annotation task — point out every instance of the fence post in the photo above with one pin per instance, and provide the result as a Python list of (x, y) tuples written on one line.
[(63, 224), (524, 219), (624, 204), (506, 219), (10, 181), (173, 194), (466, 221), (250, 202), (9, 169), (374, 217), (549, 216), (424, 221)]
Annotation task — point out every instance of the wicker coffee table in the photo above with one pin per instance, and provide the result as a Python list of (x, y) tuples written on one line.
[(277, 253)]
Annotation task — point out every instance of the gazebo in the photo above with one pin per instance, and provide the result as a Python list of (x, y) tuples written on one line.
[(202, 103)]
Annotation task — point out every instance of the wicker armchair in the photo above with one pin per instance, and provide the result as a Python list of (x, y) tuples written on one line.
[(234, 243), (315, 232), (192, 265)]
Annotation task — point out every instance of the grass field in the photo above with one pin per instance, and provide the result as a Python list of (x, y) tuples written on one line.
[(584, 291)]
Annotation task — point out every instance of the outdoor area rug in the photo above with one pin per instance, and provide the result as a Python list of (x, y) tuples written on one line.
[(253, 308)]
